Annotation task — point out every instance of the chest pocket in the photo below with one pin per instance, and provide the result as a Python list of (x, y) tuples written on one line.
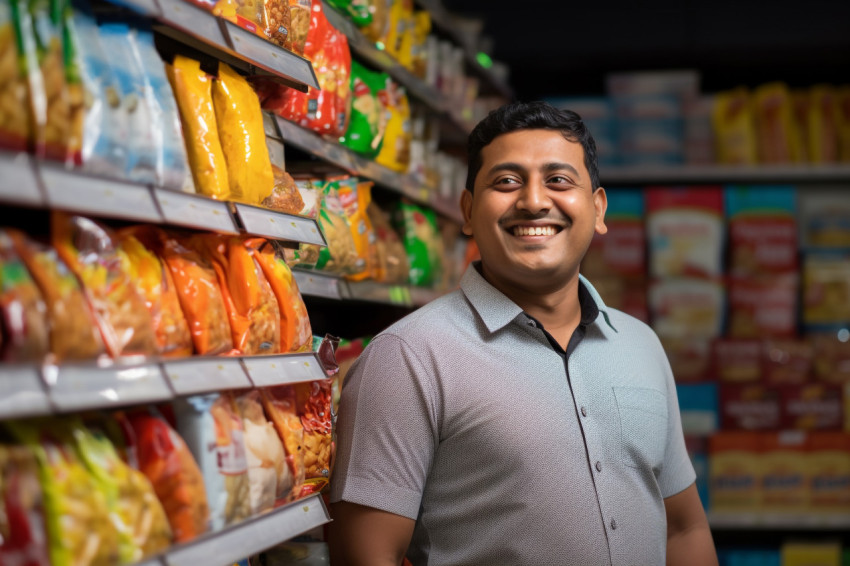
[(643, 426)]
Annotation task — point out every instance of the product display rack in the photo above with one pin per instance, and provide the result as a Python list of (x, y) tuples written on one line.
[(326, 286)]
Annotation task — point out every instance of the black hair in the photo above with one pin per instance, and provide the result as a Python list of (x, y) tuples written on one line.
[(536, 115)]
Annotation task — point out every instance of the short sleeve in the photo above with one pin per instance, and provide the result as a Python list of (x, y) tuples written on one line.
[(387, 429), (677, 471)]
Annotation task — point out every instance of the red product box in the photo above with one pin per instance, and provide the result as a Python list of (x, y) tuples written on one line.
[(815, 406), (763, 306), (787, 361), (763, 244), (749, 407), (690, 358), (620, 251), (737, 360), (831, 356)]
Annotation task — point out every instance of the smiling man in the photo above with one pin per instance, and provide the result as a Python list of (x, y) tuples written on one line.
[(518, 420)]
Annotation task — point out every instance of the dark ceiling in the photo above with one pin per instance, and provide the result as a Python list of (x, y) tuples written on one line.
[(563, 48)]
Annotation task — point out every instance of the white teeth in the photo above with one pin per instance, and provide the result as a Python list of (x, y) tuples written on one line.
[(534, 231)]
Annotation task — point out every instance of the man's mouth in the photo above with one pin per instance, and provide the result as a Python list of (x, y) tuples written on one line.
[(535, 230)]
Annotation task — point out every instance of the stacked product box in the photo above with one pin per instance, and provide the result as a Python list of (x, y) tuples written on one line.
[(597, 113)]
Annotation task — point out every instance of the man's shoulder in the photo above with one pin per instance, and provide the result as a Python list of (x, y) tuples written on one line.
[(449, 310)]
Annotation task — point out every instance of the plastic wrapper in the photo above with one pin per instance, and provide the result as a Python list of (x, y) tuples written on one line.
[(200, 297), (15, 111), (90, 251), (422, 243), (23, 537), (248, 298), (144, 131), (314, 408), (137, 515), (279, 403), (158, 291), (23, 324), (169, 465), (269, 476), (355, 196), (419, 53), (734, 128), (340, 255), (299, 12), (395, 149), (295, 331), (192, 89), (822, 124), (777, 135), (213, 431), (247, 14), (843, 122), (391, 265), (358, 11), (80, 531), (278, 22), (73, 331), (369, 116), (285, 196), (243, 139)]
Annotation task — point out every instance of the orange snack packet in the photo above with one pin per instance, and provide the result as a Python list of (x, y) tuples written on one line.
[(279, 403)]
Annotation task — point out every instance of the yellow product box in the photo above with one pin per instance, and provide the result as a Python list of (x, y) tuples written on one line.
[(829, 472), (784, 472), (811, 554), (734, 470)]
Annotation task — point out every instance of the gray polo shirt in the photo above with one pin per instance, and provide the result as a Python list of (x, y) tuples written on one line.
[(504, 448)]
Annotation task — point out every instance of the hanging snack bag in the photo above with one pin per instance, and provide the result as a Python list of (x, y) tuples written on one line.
[(280, 406), (391, 263), (213, 431), (23, 537), (164, 458), (313, 399), (91, 253), (15, 111), (79, 528), (285, 196), (193, 91), (734, 128), (250, 303), (157, 288), (355, 196), (243, 138), (777, 136), (300, 15), (73, 331), (295, 331), (422, 243), (200, 296), (367, 125), (340, 255), (23, 322), (268, 473), (395, 150)]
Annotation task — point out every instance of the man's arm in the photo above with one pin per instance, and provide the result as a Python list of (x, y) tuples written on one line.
[(688, 534), (364, 536)]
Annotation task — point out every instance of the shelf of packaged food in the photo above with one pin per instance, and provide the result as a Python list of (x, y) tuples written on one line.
[(397, 295), (342, 157), (318, 284), (18, 182), (226, 547), (702, 174), (441, 18), (199, 29), (28, 390), (779, 520)]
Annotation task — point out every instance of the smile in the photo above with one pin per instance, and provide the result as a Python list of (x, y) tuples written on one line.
[(534, 230)]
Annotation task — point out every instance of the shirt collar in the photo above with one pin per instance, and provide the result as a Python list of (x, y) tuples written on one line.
[(497, 311)]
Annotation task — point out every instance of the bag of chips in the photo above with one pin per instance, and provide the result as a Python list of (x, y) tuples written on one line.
[(53, 135), (395, 149), (368, 122), (279, 403), (23, 322), (422, 242), (285, 196), (313, 400), (299, 15), (340, 255), (23, 536), (355, 196), (15, 110), (391, 258)]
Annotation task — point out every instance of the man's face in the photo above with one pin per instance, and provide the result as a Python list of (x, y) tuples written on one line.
[(533, 211)]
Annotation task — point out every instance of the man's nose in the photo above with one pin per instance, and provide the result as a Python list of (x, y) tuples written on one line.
[(534, 197)]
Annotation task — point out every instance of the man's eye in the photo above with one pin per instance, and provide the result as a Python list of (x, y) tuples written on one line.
[(558, 179), (506, 181)]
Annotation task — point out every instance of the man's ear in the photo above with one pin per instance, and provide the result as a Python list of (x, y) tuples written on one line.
[(600, 204), (466, 208)]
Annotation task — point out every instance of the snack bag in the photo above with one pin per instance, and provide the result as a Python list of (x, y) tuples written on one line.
[(278, 22), (268, 473), (340, 255), (300, 15), (777, 137), (295, 331), (15, 110), (422, 242), (23, 537), (79, 528), (358, 11), (395, 150), (157, 288), (377, 28), (401, 12), (247, 14), (23, 321), (355, 196), (391, 258), (243, 139), (250, 303), (164, 458), (285, 196), (313, 400), (822, 132), (73, 331), (734, 128), (200, 296), (368, 122), (213, 431), (419, 50), (91, 253), (193, 91), (280, 406), (844, 124)]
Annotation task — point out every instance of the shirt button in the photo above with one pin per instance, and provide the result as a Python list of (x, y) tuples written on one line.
[(531, 323), (598, 466), (583, 412), (613, 525)]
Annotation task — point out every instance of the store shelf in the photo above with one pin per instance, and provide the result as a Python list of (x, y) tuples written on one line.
[(316, 284), (278, 225), (349, 161), (21, 392), (703, 174), (278, 370), (195, 211), (252, 536), (18, 184), (223, 40), (191, 376), (779, 521)]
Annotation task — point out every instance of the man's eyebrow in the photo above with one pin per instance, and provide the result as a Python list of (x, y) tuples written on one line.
[(550, 167), (547, 168)]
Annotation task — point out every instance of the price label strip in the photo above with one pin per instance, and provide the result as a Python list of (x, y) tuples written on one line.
[(195, 211), (18, 183), (21, 392), (310, 142), (74, 388), (266, 371), (95, 195), (269, 56), (276, 152), (280, 226), (205, 375), (194, 21), (318, 285)]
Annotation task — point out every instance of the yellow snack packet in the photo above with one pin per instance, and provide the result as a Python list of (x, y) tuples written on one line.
[(734, 130)]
